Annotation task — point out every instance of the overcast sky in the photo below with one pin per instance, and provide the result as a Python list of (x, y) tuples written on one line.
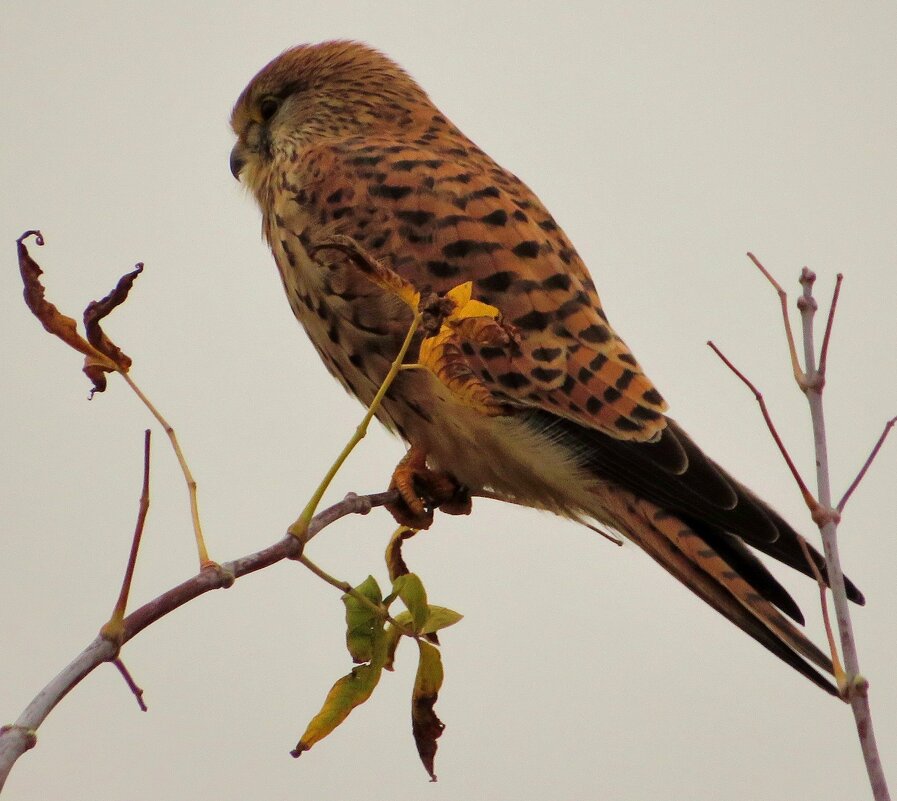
[(667, 139)]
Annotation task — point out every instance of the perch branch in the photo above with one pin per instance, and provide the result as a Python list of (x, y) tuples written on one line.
[(19, 737)]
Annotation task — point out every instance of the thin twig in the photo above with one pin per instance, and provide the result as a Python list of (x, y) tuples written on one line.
[(805, 492), (856, 482), (823, 353), (837, 668), (132, 685), (112, 629), (783, 300), (204, 560)]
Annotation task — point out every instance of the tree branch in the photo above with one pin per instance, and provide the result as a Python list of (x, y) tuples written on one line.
[(19, 737), (857, 686)]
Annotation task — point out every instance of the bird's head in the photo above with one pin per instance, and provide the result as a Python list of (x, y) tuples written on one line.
[(311, 93)]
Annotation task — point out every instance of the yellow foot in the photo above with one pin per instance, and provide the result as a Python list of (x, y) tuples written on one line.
[(422, 490)]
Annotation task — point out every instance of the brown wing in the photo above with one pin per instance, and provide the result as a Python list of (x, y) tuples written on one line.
[(440, 219)]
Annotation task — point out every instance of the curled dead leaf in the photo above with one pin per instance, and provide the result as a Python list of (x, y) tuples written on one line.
[(426, 727), (98, 309), (395, 562), (101, 355)]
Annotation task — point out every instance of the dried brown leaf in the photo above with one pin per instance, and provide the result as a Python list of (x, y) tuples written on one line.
[(395, 563), (54, 321), (97, 310)]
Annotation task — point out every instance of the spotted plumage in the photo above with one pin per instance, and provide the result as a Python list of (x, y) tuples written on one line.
[(337, 140)]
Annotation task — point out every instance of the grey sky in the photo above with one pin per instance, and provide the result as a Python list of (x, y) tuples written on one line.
[(667, 139)]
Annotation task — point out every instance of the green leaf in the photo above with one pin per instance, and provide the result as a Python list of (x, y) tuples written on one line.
[(362, 622), (425, 725), (440, 618), (411, 590)]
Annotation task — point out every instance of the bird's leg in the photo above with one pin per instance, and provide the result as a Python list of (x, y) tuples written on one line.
[(422, 490)]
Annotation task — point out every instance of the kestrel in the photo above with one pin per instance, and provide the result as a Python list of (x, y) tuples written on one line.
[(335, 139)]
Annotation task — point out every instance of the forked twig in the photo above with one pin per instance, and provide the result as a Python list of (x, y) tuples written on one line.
[(837, 667), (18, 737), (113, 628), (811, 382), (857, 685), (812, 505)]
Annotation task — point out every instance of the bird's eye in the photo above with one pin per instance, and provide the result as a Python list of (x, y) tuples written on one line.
[(268, 108)]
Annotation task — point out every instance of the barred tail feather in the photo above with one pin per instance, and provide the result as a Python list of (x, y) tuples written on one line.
[(683, 553)]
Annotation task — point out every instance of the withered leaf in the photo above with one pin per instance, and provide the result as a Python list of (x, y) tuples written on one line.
[(101, 356), (54, 321), (395, 563), (426, 727), (98, 309)]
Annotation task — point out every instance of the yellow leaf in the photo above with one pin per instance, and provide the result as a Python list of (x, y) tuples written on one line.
[(348, 692)]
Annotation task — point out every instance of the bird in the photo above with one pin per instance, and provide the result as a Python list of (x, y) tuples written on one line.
[(336, 141)]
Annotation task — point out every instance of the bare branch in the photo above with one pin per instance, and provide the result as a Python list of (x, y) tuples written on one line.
[(20, 736), (856, 685)]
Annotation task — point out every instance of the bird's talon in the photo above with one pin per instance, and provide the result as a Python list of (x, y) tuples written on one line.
[(422, 491)]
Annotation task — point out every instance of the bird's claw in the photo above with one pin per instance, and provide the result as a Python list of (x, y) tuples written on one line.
[(422, 491)]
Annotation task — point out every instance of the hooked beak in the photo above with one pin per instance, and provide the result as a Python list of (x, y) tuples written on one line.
[(237, 160)]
